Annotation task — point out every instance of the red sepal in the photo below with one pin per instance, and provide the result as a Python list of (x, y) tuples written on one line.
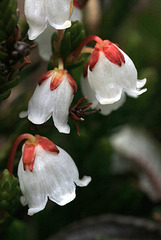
[(46, 144), (76, 3), (85, 69), (29, 154), (45, 76), (71, 82), (112, 53), (56, 80), (94, 57)]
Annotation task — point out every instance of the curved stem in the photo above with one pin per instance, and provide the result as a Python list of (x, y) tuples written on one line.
[(85, 41), (87, 50), (15, 146)]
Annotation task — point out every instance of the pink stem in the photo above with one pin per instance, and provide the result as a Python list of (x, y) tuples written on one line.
[(85, 41), (14, 148)]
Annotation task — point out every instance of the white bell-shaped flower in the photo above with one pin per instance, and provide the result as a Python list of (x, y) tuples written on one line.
[(52, 97), (106, 108), (44, 40), (47, 171), (39, 13), (111, 72)]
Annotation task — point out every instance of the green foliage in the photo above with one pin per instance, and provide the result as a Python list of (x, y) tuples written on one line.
[(12, 50), (10, 84), (8, 18), (72, 37), (17, 231), (8, 22), (9, 192)]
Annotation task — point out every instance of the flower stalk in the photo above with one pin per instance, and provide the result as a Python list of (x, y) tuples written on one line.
[(84, 42)]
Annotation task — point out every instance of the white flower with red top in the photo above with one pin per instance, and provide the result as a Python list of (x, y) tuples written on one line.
[(44, 40), (52, 97), (111, 72), (40, 13), (47, 171)]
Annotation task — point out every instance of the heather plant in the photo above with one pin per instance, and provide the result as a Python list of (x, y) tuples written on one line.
[(77, 89)]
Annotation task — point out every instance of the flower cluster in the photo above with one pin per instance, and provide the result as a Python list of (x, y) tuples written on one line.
[(45, 170), (108, 75)]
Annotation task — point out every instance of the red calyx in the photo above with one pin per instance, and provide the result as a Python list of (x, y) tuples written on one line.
[(29, 154), (71, 82), (76, 3), (46, 144), (94, 57), (56, 80), (45, 76), (85, 69), (112, 53), (58, 77)]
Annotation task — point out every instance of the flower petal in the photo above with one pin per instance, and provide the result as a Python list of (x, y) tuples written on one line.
[(108, 80), (136, 92), (141, 83), (58, 13), (41, 103), (23, 114), (65, 198), (61, 103), (105, 109), (53, 176), (34, 194), (105, 81), (128, 76), (35, 13), (62, 187), (44, 43), (45, 103), (84, 181), (88, 92), (76, 14)]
